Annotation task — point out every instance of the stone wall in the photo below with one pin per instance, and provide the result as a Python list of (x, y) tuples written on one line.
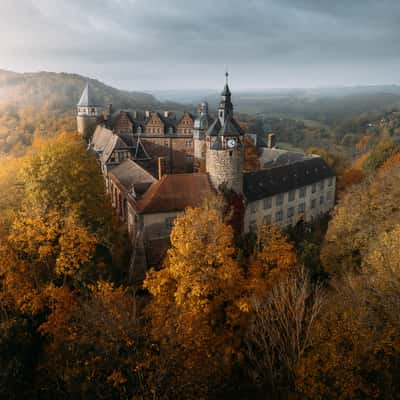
[(86, 125), (226, 167)]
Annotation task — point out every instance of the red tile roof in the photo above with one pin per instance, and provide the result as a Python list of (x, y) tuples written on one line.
[(175, 193)]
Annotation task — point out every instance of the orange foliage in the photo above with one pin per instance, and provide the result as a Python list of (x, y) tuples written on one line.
[(273, 257), (251, 158), (358, 164), (390, 163)]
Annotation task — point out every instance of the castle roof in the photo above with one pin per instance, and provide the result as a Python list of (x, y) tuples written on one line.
[(87, 99), (132, 176), (284, 178), (115, 143), (100, 138), (229, 128), (174, 193)]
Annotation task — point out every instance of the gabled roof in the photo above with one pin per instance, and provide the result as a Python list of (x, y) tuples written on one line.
[(130, 174), (115, 143), (174, 193), (100, 138), (284, 178), (140, 151), (87, 99), (214, 129)]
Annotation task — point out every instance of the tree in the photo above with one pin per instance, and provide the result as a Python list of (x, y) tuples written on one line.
[(251, 156), (273, 256), (280, 329), (60, 174), (385, 149), (196, 306), (363, 212), (93, 343), (355, 350)]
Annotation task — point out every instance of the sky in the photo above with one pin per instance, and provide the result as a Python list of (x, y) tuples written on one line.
[(186, 44)]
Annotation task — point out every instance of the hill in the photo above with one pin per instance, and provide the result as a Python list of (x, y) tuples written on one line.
[(43, 104), (62, 91)]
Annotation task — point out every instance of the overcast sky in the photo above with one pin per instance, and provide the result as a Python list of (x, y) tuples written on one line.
[(179, 44)]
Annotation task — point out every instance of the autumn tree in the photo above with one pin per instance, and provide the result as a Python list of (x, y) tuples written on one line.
[(364, 211), (279, 332), (60, 174), (94, 345), (273, 256), (196, 307), (385, 149), (251, 156), (355, 349)]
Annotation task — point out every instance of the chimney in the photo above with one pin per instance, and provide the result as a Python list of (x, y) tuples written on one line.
[(161, 167), (147, 113), (166, 114), (271, 140)]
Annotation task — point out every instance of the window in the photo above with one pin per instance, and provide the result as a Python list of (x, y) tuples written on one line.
[(267, 203), (279, 216), (279, 199), (266, 219), (253, 226), (188, 143), (166, 143), (313, 188), (292, 195), (313, 203), (330, 181), (321, 200), (302, 192), (253, 207), (329, 196), (302, 207), (321, 185), (290, 212), (188, 158), (169, 222)]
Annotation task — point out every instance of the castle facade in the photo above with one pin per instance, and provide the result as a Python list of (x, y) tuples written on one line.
[(155, 165)]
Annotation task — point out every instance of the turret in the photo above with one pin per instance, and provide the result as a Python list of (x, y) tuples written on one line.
[(88, 113), (200, 127)]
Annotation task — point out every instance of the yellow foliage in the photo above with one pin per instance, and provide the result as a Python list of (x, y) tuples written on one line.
[(273, 256)]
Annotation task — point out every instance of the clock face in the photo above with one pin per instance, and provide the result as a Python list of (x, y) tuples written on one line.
[(231, 143)]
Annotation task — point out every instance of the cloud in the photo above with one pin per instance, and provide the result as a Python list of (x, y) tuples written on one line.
[(150, 43)]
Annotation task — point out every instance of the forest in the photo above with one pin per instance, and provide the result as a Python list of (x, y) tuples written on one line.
[(309, 312)]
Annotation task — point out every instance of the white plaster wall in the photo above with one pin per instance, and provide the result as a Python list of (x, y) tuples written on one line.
[(255, 212)]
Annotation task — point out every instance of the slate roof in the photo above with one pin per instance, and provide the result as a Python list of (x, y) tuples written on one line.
[(115, 143), (87, 98), (281, 179), (274, 157), (100, 138), (229, 128), (132, 176), (174, 193)]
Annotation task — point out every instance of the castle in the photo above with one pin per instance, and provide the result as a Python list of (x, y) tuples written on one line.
[(155, 165)]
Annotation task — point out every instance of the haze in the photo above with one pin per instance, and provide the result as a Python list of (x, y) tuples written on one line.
[(181, 44)]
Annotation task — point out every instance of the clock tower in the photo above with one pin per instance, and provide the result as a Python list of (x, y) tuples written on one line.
[(224, 147)]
